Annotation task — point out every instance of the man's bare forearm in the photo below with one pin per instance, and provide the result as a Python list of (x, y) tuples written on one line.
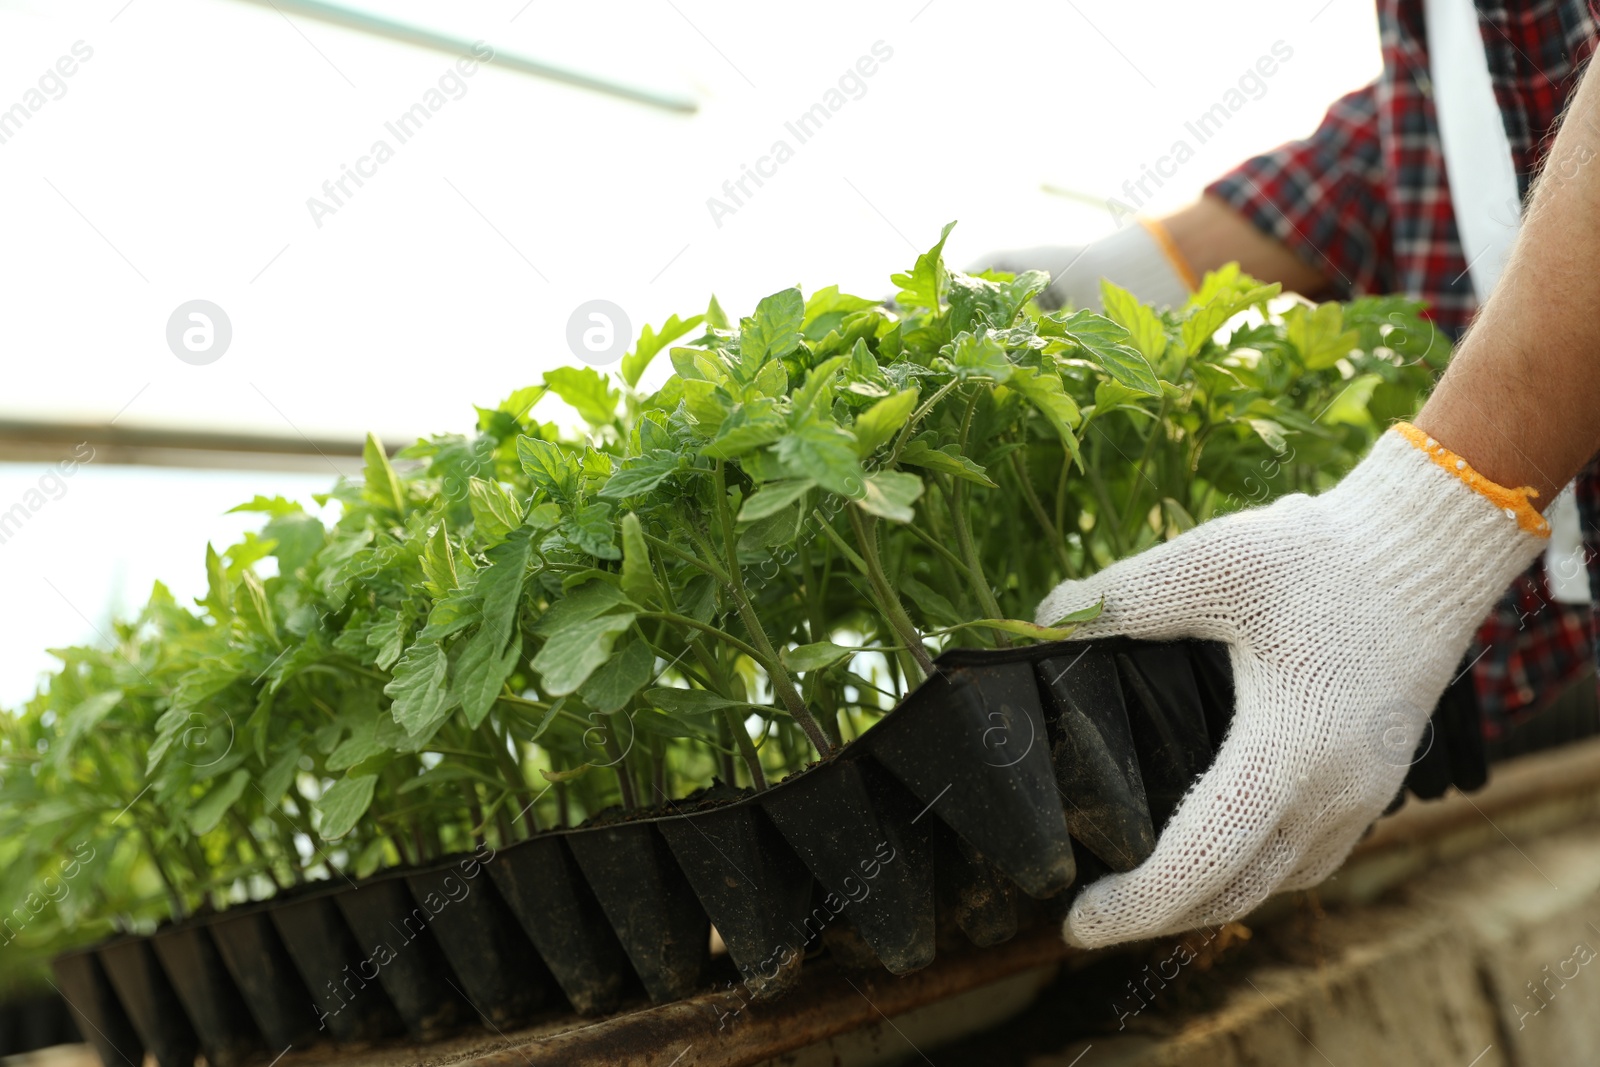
[(1521, 400), (1210, 233)]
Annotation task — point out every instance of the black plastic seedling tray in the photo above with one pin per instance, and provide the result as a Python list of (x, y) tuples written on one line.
[(968, 812)]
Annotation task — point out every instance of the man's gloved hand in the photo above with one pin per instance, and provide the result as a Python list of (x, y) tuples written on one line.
[(1139, 258), (1345, 615)]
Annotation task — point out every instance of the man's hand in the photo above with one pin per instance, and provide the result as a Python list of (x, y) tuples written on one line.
[(1132, 258), (1345, 616)]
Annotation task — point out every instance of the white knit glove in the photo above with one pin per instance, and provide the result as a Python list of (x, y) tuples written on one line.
[(1345, 615), (1132, 258)]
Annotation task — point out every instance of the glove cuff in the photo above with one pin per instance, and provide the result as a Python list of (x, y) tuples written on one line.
[(1515, 503)]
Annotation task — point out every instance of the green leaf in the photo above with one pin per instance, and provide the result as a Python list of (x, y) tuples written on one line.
[(827, 308), (1318, 334), (481, 672), (439, 565), (946, 460), (611, 687), (1106, 344), (1270, 433), (816, 392), (815, 657), (715, 316), (1144, 326), (382, 485), (690, 703), (569, 775), (653, 341), (825, 454), (890, 495), (1088, 614), (276, 779), (882, 420), (586, 392), (362, 744), (773, 498), (590, 530), (638, 476), (1057, 632), (746, 427), (204, 816), (418, 689), (774, 330), (495, 512), (1222, 295), (549, 466), (579, 605), (1045, 392), (342, 806), (573, 653), (978, 355), (638, 577), (925, 283)]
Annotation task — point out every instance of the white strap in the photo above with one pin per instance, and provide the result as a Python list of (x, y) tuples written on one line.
[(1477, 156)]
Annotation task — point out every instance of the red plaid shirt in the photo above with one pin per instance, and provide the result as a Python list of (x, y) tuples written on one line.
[(1365, 200)]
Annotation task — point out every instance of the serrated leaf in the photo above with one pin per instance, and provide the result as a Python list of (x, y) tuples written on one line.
[(638, 476), (883, 420), (381, 485), (569, 775), (481, 672), (1107, 345), (924, 284), (342, 806), (580, 604), (638, 577), (773, 331), (590, 529), (814, 657), (1144, 327), (574, 652), (1318, 334), (611, 687), (549, 466), (418, 689), (773, 498), (204, 816), (978, 355), (890, 494), (495, 512), (652, 341), (945, 460), (586, 391), (824, 453)]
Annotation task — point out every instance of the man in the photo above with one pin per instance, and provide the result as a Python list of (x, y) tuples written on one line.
[(1347, 614)]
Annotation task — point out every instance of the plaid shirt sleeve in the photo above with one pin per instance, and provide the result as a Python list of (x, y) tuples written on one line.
[(1324, 197)]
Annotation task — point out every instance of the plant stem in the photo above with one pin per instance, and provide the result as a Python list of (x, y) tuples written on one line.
[(1057, 542), (938, 547), (619, 764), (963, 527), (782, 683), (866, 531), (747, 749)]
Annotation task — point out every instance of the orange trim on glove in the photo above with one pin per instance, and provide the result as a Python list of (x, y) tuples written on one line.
[(1514, 502), (1169, 248)]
